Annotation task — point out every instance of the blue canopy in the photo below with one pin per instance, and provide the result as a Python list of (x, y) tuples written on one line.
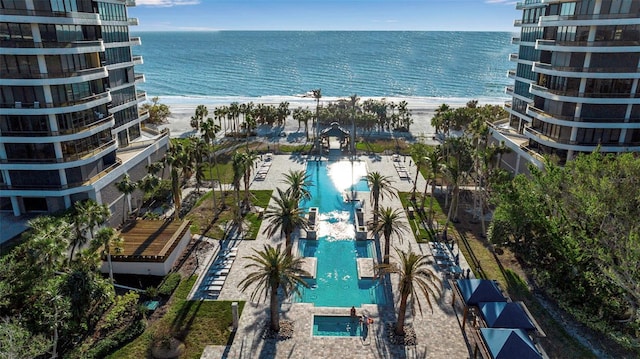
[(475, 291), (509, 343), (505, 315)]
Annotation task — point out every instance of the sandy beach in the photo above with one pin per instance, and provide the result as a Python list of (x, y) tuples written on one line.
[(422, 110)]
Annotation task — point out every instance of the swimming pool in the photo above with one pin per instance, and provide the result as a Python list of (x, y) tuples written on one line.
[(336, 283), (337, 326)]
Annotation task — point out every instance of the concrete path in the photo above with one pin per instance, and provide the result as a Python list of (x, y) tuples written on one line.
[(439, 333)]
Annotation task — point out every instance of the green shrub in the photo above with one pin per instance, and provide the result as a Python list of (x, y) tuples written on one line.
[(110, 344), (123, 309), (169, 284)]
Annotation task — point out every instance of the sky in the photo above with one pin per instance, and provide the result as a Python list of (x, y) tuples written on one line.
[(389, 15)]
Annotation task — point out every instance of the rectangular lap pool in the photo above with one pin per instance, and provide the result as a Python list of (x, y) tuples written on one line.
[(336, 326)]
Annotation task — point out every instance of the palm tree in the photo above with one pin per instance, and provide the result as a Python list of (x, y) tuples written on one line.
[(390, 223), (418, 152), (249, 159), (299, 183), (317, 94), (415, 276), (196, 120), (48, 240), (126, 186), (381, 186), (453, 174), (353, 103), (270, 270), (238, 167), (88, 214), (433, 160), (209, 131), (284, 216), (148, 184), (108, 239)]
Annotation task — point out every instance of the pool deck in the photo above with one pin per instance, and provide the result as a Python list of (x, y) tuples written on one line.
[(439, 333)]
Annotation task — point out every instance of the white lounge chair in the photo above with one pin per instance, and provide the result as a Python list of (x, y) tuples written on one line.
[(219, 271), (214, 288), (217, 282)]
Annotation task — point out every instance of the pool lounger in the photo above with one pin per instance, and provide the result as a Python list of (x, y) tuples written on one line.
[(217, 277), (222, 266), (214, 288), (219, 271), (217, 282)]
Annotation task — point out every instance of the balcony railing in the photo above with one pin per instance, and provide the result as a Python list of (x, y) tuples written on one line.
[(550, 18), (546, 138), (53, 75), (513, 57), (51, 45), (132, 21), (68, 131), (612, 70), (90, 153), (576, 93), (19, 104), (24, 12), (620, 43), (543, 114)]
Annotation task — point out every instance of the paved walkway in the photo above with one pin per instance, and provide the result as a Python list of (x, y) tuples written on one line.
[(439, 334)]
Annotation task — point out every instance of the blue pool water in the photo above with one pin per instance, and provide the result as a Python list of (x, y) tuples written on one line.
[(336, 326), (336, 250)]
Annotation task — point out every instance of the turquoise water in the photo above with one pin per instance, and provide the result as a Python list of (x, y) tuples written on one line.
[(336, 326), (434, 64), (336, 250)]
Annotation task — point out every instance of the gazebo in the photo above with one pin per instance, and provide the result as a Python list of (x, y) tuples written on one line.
[(506, 344), (505, 315), (474, 291), (335, 130)]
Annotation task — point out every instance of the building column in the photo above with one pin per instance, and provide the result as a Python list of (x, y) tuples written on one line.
[(15, 205)]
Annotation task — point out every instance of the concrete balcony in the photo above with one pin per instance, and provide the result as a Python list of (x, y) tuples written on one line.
[(588, 46), (587, 72), (589, 20), (132, 21), (60, 78), (579, 97)]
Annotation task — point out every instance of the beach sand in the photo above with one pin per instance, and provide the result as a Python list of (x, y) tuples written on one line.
[(422, 110)]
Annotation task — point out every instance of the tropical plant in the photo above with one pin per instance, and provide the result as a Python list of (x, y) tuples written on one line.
[(433, 160), (126, 186), (317, 94), (209, 131), (380, 186), (299, 183), (87, 215), (390, 222), (108, 239), (47, 241), (415, 276), (249, 159), (284, 216), (158, 112), (419, 153), (271, 270)]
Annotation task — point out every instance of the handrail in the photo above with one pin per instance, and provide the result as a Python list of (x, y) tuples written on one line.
[(90, 153), (54, 105), (51, 44), (25, 12), (613, 70), (53, 75)]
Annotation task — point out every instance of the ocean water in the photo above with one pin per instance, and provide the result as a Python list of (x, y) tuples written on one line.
[(254, 64)]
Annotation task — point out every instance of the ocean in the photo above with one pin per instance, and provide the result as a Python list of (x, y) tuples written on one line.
[(241, 65)]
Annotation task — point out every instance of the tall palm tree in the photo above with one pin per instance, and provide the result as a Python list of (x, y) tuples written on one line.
[(418, 152), (209, 131), (299, 183), (380, 186), (126, 186), (249, 159), (284, 216), (148, 184), (415, 276), (390, 223), (453, 174), (353, 103), (108, 239), (238, 166), (433, 160), (317, 94), (270, 270), (88, 214)]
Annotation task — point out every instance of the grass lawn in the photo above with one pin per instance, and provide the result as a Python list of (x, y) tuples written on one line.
[(381, 145), (196, 323), (203, 221), (296, 148), (424, 235)]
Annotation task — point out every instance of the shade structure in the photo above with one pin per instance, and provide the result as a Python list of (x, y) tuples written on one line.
[(509, 344), (474, 291), (505, 315)]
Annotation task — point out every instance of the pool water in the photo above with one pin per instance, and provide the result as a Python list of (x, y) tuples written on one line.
[(336, 326), (336, 283)]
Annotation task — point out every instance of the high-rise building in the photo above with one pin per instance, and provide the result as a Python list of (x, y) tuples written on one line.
[(70, 125), (575, 82)]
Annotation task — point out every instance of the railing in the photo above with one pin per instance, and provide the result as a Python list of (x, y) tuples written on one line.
[(24, 12), (546, 138), (87, 154), (544, 114), (576, 93), (50, 45), (102, 173), (57, 133), (139, 77), (132, 21), (513, 57), (619, 43), (19, 104), (53, 75), (613, 70), (549, 18)]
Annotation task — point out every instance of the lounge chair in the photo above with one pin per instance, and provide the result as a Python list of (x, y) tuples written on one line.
[(214, 288), (216, 271), (217, 282)]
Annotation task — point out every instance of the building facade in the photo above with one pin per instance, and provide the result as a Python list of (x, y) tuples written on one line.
[(575, 82), (70, 123)]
